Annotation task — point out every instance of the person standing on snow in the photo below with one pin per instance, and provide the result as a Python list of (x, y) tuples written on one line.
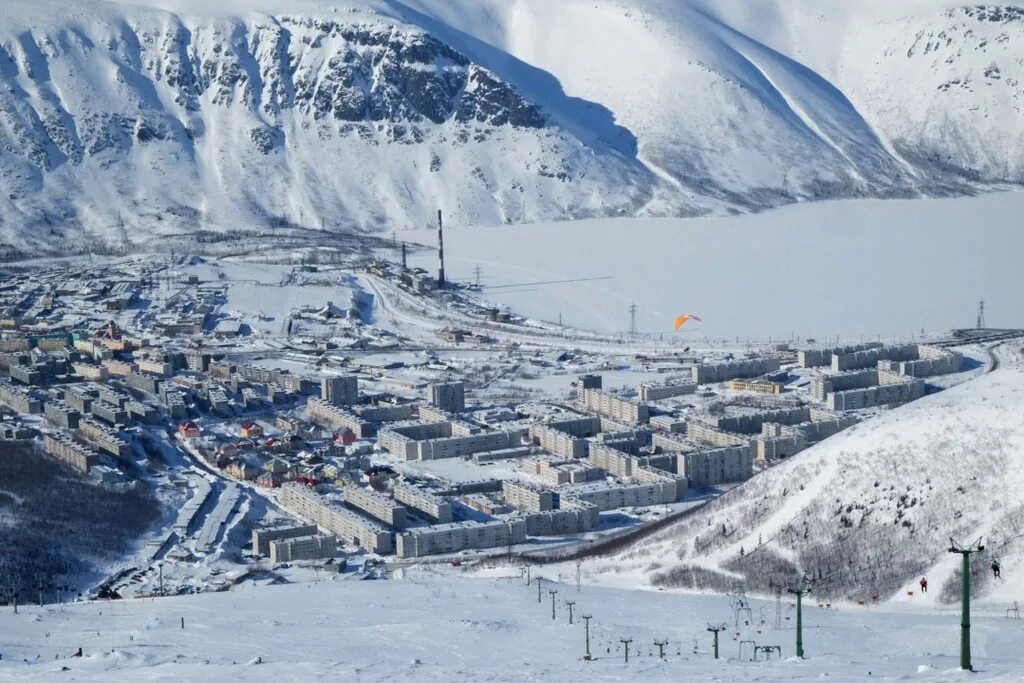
[(924, 584), (995, 568)]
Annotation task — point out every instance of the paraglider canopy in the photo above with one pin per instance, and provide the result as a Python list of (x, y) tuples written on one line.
[(685, 318)]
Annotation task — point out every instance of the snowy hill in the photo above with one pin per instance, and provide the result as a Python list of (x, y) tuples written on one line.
[(870, 511), (123, 120), (431, 627)]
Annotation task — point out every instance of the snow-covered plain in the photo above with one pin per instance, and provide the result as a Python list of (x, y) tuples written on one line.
[(858, 268), (435, 627)]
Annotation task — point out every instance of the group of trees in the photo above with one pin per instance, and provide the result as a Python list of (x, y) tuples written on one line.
[(58, 524)]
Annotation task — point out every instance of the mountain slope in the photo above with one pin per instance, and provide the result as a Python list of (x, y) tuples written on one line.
[(870, 510), (119, 121)]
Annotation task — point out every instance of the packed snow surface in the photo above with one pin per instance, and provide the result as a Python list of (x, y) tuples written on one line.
[(435, 627)]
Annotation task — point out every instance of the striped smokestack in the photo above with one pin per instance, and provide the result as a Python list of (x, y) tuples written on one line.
[(440, 251)]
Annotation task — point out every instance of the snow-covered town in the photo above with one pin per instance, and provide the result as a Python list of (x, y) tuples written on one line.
[(235, 387), (290, 421), (511, 340)]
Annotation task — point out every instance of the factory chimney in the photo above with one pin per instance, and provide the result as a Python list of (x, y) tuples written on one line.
[(405, 265), (440, 252)]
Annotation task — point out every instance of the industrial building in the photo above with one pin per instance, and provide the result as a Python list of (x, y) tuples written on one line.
[(341, 522)]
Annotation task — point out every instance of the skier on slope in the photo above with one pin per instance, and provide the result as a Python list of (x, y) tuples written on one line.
[(995, 568), (924, 584)]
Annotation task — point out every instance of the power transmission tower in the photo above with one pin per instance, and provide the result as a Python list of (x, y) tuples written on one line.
[(965, 619), (569, 604), (716, 630), (632, 320), (660, 644), (626, 642), (981, 314), (800, 591), (552, 593), (476, 272), (586, 625)]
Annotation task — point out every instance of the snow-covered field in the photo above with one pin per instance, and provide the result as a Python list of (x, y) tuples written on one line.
[(858, 268), (433, 627)]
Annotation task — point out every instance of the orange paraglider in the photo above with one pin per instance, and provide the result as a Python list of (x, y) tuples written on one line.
[(685, 318)]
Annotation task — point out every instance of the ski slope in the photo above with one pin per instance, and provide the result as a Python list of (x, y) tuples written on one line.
[(429, 626)]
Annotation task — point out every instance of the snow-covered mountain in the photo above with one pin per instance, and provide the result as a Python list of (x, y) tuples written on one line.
[(868, 512), (120, 120)]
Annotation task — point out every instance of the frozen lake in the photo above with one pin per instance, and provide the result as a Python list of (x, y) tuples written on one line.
[(852, 268)]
